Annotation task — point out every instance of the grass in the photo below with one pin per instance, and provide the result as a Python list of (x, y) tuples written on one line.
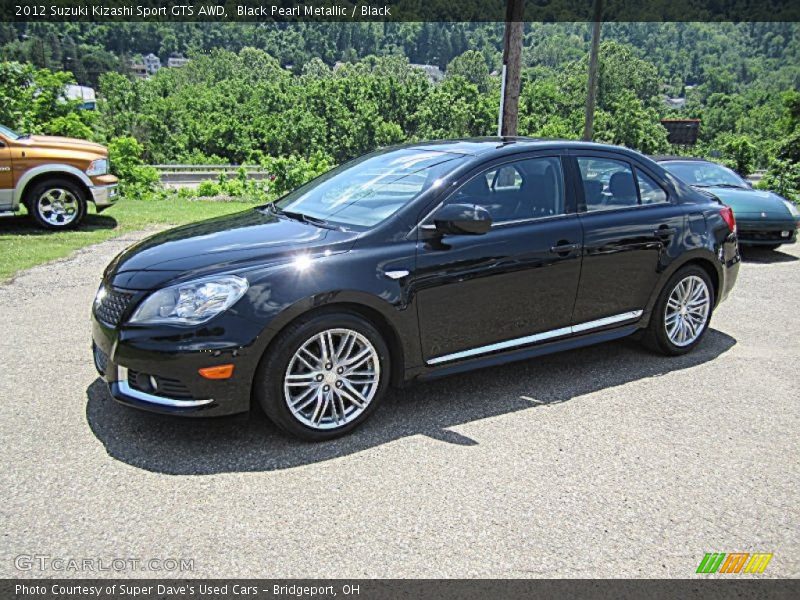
[(24, 245)]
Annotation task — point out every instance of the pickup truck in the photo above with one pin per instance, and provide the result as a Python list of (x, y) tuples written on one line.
[(53, 177)]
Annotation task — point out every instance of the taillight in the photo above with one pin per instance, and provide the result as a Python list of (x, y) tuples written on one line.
[(727, 215)]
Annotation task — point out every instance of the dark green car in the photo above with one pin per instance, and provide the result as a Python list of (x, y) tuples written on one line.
[(763, 218)]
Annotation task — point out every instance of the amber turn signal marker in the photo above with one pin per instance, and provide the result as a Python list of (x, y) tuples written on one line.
[(218, 372)]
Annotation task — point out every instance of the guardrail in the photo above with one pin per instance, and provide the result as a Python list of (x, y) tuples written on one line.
[(188, 175)]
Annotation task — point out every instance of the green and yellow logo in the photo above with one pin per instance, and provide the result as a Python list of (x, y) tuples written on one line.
[(737, 562)]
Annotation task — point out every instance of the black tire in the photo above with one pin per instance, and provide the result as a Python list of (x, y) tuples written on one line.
[(655, 336), (56, 185), (268, 383)]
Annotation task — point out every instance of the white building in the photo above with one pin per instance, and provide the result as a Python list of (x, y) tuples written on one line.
[(84, 94), (152, 63)]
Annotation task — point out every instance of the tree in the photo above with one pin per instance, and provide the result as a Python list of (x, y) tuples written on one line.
[(471, 66)]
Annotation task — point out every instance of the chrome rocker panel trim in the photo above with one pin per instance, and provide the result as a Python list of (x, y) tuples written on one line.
[(538, 337), (127, 390)]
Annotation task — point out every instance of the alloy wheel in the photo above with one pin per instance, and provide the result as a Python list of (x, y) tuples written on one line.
[(57, 207), (687, 310), (331, 378)]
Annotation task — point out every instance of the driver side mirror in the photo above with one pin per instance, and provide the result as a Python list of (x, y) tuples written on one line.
[(462, 219)]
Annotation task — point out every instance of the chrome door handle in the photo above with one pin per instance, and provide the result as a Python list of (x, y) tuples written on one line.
[(664, 232), (564, 248)]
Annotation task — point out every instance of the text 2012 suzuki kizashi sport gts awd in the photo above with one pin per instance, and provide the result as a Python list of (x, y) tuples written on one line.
[(408, 263)]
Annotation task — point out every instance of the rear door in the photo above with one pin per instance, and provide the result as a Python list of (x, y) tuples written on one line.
[(630, 226), (6, 176), (479, 294)]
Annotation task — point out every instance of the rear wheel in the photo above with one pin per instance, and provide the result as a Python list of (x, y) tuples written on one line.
[(682, 313), (323, 376), (57, 204)]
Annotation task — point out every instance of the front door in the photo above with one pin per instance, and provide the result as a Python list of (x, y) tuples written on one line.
[(628, 226), (478, 294), (6, 176)]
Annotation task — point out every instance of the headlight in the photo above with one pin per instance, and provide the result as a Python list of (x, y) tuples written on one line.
[(190, 303), (792, 208), (97, 167)]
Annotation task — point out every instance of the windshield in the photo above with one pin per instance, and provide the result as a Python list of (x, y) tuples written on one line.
[(12, 135), (364, 192), (704, 174)]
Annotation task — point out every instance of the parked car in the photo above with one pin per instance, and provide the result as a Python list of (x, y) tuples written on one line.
[(409, 263), (762, 218), (53, 177)]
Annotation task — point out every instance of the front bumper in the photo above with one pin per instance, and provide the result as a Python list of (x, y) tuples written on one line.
[(129, 360), (766, 233), (104, 191), (104, 196)]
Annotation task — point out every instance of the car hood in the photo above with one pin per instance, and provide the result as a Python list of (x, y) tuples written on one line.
[(65, 143), (252, 238), (752, 202)]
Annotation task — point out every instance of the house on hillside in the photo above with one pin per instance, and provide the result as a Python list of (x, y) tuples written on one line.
[(175, 62), (433, 72), (152, 64)]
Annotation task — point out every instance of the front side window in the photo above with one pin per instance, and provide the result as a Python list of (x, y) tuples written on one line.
[(610, 184), (369, 190), (525, 189)]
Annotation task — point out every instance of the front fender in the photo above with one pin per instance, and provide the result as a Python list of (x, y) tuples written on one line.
[(48, 169)]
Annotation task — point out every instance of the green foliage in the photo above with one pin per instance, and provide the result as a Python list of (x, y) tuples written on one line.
[(32, 101), (209, 188), (739, 153), (258, 90), (136, 179), (290, 172), (69, 125), (471, 66)]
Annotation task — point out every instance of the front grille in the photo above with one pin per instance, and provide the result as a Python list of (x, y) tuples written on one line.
[(112, 306), (164, 386), (764, 236)]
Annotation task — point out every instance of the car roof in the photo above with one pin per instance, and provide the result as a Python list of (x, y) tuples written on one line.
[(478, 146), (669, 158)]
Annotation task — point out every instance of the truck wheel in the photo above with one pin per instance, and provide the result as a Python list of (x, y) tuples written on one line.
[(57, 204)]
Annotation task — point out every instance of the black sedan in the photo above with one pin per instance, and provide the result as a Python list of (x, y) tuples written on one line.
[(409, 263)]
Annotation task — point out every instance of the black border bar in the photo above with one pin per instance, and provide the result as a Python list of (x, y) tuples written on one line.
[(99, 11), (415, 589)]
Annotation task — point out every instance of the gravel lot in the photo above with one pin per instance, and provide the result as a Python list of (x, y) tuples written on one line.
[(603, 462)]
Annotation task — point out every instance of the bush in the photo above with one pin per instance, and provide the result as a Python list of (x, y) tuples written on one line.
[(209, 189), (739, 153), (290, 172), (783, 177), (136, 179)]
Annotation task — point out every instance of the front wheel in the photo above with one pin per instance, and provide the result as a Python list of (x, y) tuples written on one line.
[(57, 204), (681, 316), (323, 376)]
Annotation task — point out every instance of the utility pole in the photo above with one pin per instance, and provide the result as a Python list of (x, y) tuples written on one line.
[(512, 66), (591, 91)]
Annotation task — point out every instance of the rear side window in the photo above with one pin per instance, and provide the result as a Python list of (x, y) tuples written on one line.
[(610, 184), (649, 191)]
